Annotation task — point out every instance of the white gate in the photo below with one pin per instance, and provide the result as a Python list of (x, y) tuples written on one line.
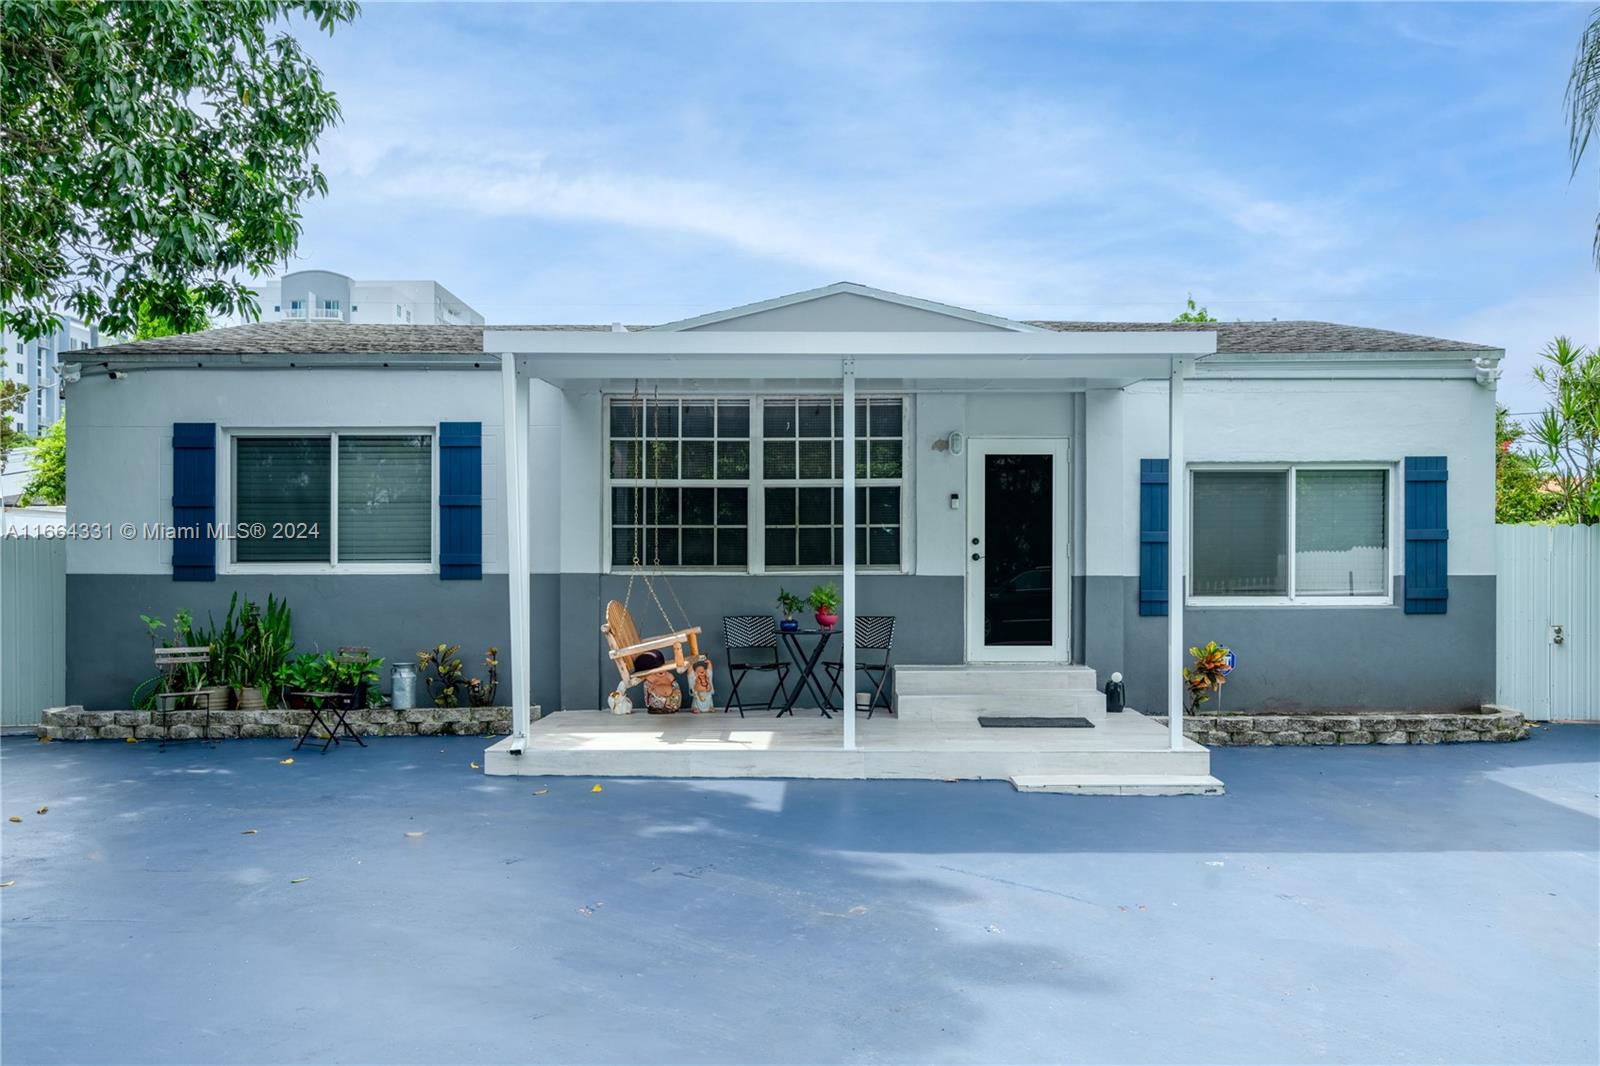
[(33, 627), (1547, 624)]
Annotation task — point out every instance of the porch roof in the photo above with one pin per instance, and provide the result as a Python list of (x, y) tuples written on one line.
[(767, 358)]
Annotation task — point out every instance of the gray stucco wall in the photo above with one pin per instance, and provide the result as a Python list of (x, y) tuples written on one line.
[(1309, 658), (397, 615), (394, 615)]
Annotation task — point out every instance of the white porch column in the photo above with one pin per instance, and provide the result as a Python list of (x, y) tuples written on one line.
[(847, 586), (1177, 550), (514, 395)]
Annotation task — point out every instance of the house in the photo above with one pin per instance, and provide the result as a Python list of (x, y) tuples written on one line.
[(1019, 491)]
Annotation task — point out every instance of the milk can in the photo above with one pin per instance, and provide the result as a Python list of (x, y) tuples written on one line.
[(403, 684)]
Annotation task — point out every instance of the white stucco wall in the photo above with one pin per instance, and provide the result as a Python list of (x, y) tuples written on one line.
[(1295, 421), (119, 439)]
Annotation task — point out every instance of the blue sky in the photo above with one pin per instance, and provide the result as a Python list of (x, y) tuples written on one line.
[(1394, 165)]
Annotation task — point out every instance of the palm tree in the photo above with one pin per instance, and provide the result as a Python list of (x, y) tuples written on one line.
[(1583, 101)]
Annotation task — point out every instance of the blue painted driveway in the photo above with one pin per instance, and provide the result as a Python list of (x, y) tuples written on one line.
[(393, 905)]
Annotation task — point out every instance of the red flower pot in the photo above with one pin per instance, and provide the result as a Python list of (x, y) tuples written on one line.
[(826, 618)]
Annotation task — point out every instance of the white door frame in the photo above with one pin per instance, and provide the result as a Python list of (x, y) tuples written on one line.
[(1059, 649)]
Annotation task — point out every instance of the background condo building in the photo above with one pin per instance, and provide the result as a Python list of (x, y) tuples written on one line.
[(326, 296), (36, 364)]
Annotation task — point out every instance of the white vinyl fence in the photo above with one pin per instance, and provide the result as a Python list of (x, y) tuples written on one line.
[(33, 627), (1547, 625)]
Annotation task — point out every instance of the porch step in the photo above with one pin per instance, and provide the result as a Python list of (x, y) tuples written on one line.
[(1134, 784), (1040, 703), (947, 693), (985, 680)]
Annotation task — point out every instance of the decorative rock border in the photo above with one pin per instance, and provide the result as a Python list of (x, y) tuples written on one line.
[(1243, 730), (75, 723)]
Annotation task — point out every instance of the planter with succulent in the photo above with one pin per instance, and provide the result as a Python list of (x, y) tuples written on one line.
[(824, 601), (264, 641), (790, 605)]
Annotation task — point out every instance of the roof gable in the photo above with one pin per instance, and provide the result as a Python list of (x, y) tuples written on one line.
[(847, 306)]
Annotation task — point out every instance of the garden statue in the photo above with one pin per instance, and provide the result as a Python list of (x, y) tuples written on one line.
[(620, 703), (662, 694), (700, 698)]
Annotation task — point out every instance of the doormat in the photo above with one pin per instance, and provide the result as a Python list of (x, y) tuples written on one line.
[(995, 722)]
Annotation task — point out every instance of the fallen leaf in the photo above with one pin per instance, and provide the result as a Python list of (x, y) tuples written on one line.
[(298, 880), (540, 791), (44, 740), (130, 740), (14, 818), (595, 789), (248, 833), (285, 762), (413, 836), (6, 884), (43, 810), (473, 765)]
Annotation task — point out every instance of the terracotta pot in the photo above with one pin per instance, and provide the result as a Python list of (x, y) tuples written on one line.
[(826, 618)]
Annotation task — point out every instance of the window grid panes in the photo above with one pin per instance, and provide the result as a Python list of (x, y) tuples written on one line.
[(680, 472), (1299, 533), (803, 473), (333, 498)]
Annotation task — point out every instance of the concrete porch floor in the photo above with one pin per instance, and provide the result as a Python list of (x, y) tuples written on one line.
[(1119, 753)]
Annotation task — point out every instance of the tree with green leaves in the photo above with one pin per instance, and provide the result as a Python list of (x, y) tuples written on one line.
[(1194, 314), (13, 395), (152, 324), (151, 152), (1566, 437), (1520, 478), (49, 482), (1583, 103)]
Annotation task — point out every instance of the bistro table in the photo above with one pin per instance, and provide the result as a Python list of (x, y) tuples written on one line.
[(807, 662)]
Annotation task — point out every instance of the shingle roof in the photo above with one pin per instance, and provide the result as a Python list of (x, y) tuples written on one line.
[(341, 338), (1286, 337)]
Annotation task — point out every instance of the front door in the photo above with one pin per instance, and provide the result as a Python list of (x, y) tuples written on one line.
[(1017, 580)]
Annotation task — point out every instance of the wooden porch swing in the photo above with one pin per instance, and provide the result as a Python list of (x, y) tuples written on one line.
[(635, 657)]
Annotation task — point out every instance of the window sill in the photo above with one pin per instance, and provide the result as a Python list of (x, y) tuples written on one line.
[(1287, 601), (242, 569)]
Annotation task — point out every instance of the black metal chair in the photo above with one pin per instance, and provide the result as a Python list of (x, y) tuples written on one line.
[(874, 632), (752, 644)]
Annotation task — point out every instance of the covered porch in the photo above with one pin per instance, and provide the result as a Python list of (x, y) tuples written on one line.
[(843, 364)]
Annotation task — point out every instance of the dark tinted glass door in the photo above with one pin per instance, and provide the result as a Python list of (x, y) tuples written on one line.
[(1017, 542)]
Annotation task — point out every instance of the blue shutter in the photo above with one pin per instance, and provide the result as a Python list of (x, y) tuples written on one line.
[(194, 501), (1427, 535), (1152, 536), (461, 501)]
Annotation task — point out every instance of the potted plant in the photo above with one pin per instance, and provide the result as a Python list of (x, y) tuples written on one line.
[(444, 683), (791, 605), (825, 602), (481, 693), (1209, 673)]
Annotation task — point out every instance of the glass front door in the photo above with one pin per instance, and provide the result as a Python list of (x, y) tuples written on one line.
[(1017, 578)]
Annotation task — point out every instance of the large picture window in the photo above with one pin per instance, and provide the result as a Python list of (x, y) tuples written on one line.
[(803, 477), (1296, 533), (333, 498), (680, 477), (751, 484)]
